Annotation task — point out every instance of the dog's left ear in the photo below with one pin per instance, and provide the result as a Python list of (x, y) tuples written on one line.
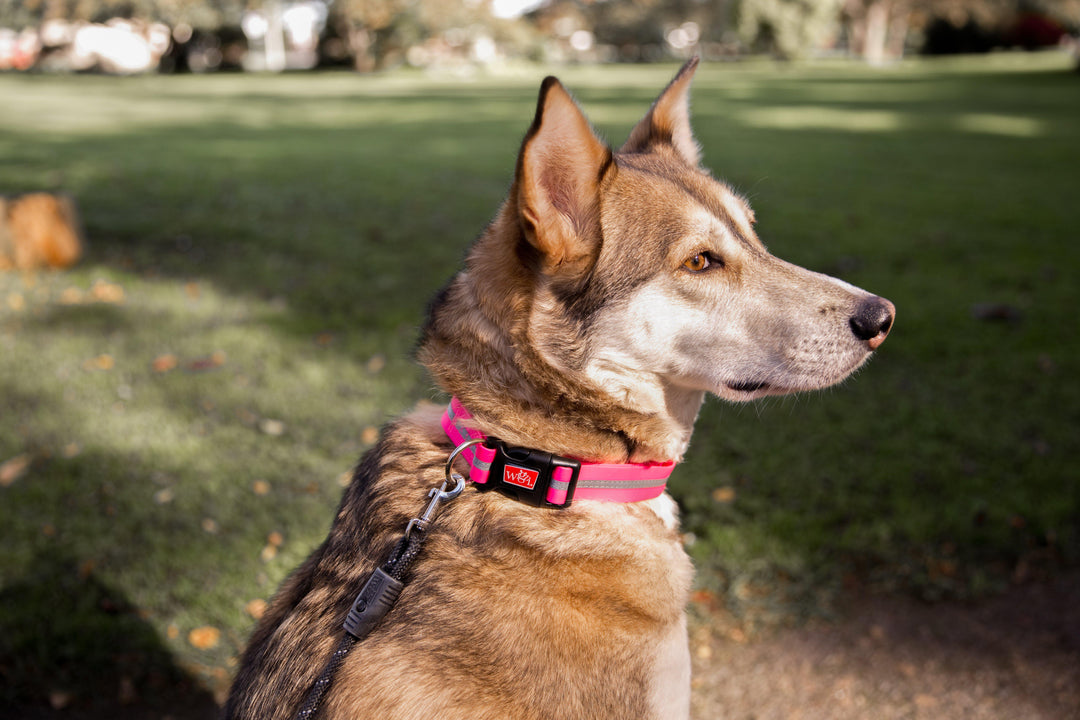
[(668, 120), (558, 182)]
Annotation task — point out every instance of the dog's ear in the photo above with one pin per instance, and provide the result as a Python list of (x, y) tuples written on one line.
[(668, 120), (558, 181)]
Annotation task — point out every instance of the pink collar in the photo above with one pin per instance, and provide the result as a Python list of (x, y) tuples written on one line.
[(547, 480)]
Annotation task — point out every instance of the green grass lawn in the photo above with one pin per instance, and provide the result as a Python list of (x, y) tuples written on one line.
[(261, 250)]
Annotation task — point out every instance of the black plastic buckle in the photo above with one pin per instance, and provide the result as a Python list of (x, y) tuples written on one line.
[(526, 475)]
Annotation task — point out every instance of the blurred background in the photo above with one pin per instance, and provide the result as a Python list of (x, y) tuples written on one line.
[(221, 221), (127, 36)]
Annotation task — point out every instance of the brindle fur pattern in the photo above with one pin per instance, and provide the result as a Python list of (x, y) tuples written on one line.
[(577, 326)]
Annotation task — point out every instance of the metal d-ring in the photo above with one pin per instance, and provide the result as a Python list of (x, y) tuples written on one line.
[(452, 476)]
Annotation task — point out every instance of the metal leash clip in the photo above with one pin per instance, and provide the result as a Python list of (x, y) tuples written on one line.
[(440, 494)]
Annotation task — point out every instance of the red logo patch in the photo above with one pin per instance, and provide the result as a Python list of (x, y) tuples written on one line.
[(522, 477)]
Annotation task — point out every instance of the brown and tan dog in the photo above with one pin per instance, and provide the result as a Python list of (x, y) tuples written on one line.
[(38, 230), (613, 290)]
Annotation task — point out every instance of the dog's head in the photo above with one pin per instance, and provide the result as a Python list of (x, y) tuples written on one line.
[(637, 274), (655, 267)]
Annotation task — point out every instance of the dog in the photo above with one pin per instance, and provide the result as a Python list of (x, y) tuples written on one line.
[(613, 290), (39, 230)]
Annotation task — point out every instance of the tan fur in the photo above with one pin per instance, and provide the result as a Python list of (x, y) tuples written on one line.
[(39, 230), (575, 327)]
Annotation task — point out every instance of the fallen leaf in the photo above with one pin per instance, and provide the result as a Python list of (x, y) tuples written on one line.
[(127, 694), (172, 632), (71, 296), (268, 553), (192, 290), (724, 494), (345, 478), (107, 292), (369, 435), (256, 608), (201, 365), (703, 597), (72, 449), (704, 652), (210, 525), (15, 301), (164, 363), (376, 364), (324, 338), (274, 428), (14, 468), (101, 362), (204, 637), (275, 538), (261, 487), (164, 496), (924, 701), (216, 360), (59, 699)]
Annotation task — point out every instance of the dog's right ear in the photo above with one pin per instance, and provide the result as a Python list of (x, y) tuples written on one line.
[(668, 120), (558, 181)]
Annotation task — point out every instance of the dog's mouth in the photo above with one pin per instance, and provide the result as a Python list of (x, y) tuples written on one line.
[(748, 387)]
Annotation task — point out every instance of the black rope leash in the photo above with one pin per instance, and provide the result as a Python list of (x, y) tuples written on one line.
[(379, 595), (383, 587)]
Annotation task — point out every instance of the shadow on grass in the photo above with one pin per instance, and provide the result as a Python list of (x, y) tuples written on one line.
[(73, 647)]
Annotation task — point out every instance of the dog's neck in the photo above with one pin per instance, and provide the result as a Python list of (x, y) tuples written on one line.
[(479, 344)]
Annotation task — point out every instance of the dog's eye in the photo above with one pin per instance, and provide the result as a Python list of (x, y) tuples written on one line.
[(698, 263)]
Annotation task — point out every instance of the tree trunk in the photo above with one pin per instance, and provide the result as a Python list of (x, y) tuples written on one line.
[(898, 28), (877, 30)]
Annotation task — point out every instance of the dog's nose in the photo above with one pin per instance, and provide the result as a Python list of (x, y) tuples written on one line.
[(872, 319)]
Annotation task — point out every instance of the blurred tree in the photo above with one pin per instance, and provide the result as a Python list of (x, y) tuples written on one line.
[(787, 28), (878, 29), (645, 23), (207, 14), (378, 33), (637, 30)]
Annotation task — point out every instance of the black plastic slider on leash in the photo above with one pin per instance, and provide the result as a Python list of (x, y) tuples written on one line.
[(371, 605)]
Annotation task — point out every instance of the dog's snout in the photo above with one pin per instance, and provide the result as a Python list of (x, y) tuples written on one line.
[(872, 319)]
